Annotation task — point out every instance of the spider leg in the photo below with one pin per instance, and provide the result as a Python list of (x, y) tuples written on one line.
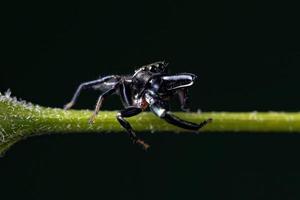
[(172, 119), (125, 95), (160, 109), (85, 86), (100, 100), (184, 99), (129, 112)]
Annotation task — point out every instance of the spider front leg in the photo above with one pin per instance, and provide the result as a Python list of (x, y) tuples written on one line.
[(129, 112), (184, 99), (159, 108), (172, 119), (85, 86)]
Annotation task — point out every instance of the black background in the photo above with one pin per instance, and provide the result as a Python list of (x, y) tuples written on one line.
[(247, 57)]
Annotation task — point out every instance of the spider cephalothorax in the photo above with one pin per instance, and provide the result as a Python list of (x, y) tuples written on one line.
[(150, 86)]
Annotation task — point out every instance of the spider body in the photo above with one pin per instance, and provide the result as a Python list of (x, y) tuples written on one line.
[(150, 86)]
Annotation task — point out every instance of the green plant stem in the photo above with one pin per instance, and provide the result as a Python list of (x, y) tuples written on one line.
[(19, 120)]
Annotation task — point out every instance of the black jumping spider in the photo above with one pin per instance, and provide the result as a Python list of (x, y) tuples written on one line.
[(150, 85)]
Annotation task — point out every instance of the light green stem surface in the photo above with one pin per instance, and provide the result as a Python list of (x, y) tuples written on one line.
[(19, 120)]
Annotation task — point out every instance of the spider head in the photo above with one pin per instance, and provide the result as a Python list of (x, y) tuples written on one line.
[(157, 67)]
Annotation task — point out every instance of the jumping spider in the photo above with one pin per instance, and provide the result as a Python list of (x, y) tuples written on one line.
[(150, 85)]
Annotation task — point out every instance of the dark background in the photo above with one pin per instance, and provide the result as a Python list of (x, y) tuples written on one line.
[(247, 57)]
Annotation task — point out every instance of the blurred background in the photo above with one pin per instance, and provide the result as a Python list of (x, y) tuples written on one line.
[(246, 55)]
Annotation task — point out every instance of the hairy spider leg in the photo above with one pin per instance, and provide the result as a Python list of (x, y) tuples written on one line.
[(129, 112), (85, 86), (100, 100), (159, 108)]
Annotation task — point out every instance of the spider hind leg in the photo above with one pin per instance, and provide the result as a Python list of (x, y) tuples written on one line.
[(100, 100), (87, 85)]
